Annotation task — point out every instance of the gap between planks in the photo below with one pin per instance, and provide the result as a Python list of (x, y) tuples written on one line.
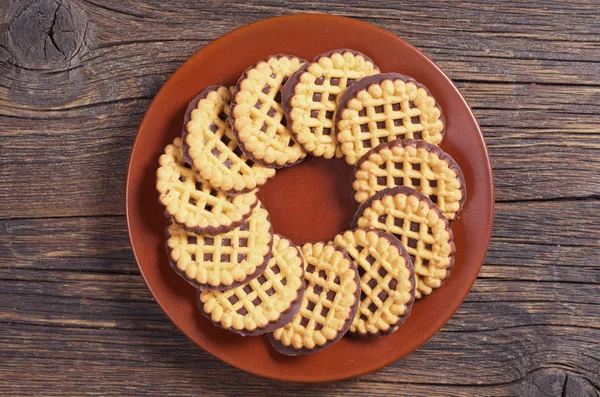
[(593, 197)]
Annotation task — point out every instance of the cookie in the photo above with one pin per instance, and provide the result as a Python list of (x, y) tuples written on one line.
[(329, 303), (311, 97), (193, 203), (257, 117), (385, 107), (226, 260), (416, 164), (211, 147), (387, 281), (420, 225), (265, 303)]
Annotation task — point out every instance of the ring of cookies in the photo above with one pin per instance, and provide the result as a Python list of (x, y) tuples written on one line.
[(363, 282)]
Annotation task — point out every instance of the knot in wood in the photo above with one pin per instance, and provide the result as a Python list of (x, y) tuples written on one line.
[(45, 34)]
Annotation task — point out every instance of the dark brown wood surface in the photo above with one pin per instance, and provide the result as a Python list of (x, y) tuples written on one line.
[(75, 315)]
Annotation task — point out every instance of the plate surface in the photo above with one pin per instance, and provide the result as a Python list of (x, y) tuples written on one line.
[(310, 201)]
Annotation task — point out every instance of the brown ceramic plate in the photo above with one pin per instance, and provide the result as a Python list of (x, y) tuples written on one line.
[(307, 202)]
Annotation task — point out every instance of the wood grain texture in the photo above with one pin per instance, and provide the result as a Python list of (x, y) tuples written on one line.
[(75, 80), (72, 297), (532, 79)]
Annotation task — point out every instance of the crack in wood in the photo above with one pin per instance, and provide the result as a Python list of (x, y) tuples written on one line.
[(591, 197), (564, 387), (51, 33), (45, 34)]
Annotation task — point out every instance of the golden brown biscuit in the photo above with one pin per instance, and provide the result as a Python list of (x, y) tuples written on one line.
[(329, 304), (226, 260), (421, 227), (191, 202), (416, 164), (385, 107), (211, 147), (257, 116), (387, 281), (265, 303), (311, 97)]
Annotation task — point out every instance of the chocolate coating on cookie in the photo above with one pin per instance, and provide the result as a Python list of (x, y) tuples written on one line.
[(443, 260), (319, 139), (292, 351), (212, 148), (243, 145), (213, 230), (187, 117), (367, 286), (259, 269), (280, 277), (353, 146), (419, 145), (192, 202)]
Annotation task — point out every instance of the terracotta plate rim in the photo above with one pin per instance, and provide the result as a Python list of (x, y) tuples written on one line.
[(440, 321)]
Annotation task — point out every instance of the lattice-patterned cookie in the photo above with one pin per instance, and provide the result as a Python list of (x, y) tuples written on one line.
[(211, 147), (329, 304), (311, 97), (257, 116), (387, 281), (265, 303), (225, 260), (417, 164), (421, 227), (384, 107), (191, 202)]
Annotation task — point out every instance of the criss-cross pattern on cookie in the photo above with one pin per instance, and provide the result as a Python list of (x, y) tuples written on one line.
[(329, 299), (225, 259), (257, 114), (385, 110), (423, 231), (416, 164), (192, 202), (263, 300), (213, 148), (386, 280), (317, 95)]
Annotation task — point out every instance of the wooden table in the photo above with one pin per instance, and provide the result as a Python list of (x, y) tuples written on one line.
[(76, 317)]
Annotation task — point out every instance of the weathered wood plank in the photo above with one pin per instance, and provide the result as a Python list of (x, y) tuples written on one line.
[(532, 318), (75, 316), (473, 41), (69, 299), (491, 341), (194, 372), (558, 232), (549, 223), (77, 122), (85, 158), (501, 358), (553, 237), (467, 26)]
